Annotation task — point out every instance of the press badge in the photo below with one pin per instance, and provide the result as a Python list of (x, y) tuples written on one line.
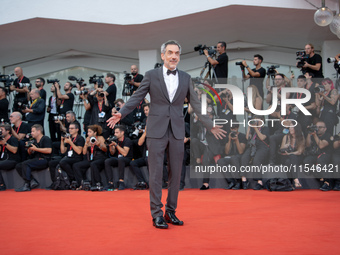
[(2, 155), (101, 114), (69, 154), (120, 156)]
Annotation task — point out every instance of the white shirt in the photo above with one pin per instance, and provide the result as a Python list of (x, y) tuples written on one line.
[(171, 82)]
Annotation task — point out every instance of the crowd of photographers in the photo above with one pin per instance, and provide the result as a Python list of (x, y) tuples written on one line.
[(68, 154)]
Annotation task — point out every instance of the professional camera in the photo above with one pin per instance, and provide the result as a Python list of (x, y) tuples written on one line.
[(335, 138), (200, 49), (319, 89), (288, 150), (302, 56), (233, 134), (22, 85), (239, 63), (80, 80), (29, 136), (111, 139), (29, 143), (271, 70), (312, 129), (127, 90), (137, 126), (22, 106), (66, 135), (97, 79), (98, 187), (336, 64), (1, 135), (93, 140), (59, 117), (52, 81), (100, 94), (80, 92), (6, 79)]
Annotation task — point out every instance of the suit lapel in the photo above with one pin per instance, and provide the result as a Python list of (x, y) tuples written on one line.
[(180, 85), (162, 83)]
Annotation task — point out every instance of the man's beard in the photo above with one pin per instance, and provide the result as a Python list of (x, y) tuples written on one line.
[(133, 74)]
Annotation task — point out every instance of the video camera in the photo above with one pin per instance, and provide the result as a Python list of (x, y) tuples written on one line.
[(97, 79), (80, 81), (211, 50), (127, 90), (302, 56), (52, 81), (271, 70), (6, 79)]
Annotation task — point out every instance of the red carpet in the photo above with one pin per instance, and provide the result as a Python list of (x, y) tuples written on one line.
[(215, 222)]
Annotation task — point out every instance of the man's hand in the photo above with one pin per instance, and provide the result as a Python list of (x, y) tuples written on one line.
[(114, 119), (206, 52), (244, 63), (218, 132), (25, 110)]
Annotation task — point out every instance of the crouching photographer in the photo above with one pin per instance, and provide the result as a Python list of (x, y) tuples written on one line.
[(72, 144), (40, 150), (291, 150), (257, 151), (319, 151), (9, 152)]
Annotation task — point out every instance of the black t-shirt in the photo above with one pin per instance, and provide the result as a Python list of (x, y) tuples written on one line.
[(78, 141), (45, 142), (258, 142), (125, 143), (233, 149), (67, 125), (316, 59), (22, 128), (67, 104), (221, 69), (21, 96), (112, 91), (42, 94), (328, 149), (258, 81), (4, 110), (138, 78), (138, 112), (5, 154)]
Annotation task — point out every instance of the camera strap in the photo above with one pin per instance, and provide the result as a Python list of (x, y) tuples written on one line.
[(73, 141), (35, 100), (4, 147), (18, 128)]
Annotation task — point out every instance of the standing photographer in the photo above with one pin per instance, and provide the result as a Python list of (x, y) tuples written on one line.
[(3, 106), (39, 84), (35, 113), (136, 79), (53, 110), (313, 64), (40, 152), (9, 152), (111, 91), (221, 63), (256, 75), (66, 100), (21, 87)]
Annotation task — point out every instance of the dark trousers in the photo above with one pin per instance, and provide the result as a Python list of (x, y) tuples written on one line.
[(274, 144), (234, 160), (6, 165), (261, 157), (54, 128), (66, 164), (80, 169), (117, 174), (136, 165), (25, 168), (294, 160), (175, 150), (22, 150)]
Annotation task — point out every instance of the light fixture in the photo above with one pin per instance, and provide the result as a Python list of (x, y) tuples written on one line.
[(323, 16), (335, 25)]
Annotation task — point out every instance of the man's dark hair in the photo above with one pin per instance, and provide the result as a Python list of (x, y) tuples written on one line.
[(111, 75), (38, 127), (236, 125), (119, 100), (146, 105), (76, 125), (170, 42), (41, 80), (280, 74), (259, 57), (121, 128), (4, 90), (7, 127), (302, 77), (224, 44)]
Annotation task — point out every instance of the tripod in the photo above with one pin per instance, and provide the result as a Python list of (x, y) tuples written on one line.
[(211, 72)]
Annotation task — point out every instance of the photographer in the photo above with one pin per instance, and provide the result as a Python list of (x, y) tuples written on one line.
[(95, 150), (9, 152), (40, 152), (257, 150), (69, 118), (111, 91), (221, 63), (256, 75), (100, 110), (234, 148), (136, 80), (19, 131), (319, 150), (327, 101), (53, 110), (313, 64), (3, 106), (280, 81), (65, 100), (39, 84), (20, 87), (72, 144), (129, 119), (257, 101), (35, 113), (291, 150), (121, 150)]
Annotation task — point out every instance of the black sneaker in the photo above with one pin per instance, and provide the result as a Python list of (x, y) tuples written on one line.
[(26, 187), (337, 187), (232, 184), (109, 187), (97, 187), (237, 186), (34, 184), (326, 187), (181, 187), (140, 186), (121, 185), (245, 184), (3, 187), (258, 186), (49, 187), (204, 187)]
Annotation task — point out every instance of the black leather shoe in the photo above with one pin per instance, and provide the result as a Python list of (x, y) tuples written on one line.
[(237, 186), (171, 218), (26, 187), (204, 187), (34, 184), (326, 187), (337, 187), (258, 186), (2, 187), (245, 184), (159, 222), (232, 184)]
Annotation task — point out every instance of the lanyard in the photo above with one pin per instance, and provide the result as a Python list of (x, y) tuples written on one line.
[(17, 131), (120, 143), (3, 146), (100, 107), (35, 100), (73, 142)]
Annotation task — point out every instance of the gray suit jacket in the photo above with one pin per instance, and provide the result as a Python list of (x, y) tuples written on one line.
[(163, 112)]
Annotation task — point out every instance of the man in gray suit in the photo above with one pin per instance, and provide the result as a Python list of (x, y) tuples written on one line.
[(168, 87)]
